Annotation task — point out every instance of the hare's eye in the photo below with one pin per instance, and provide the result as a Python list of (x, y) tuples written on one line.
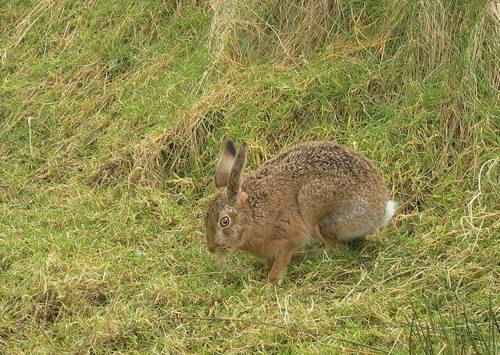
[(224, 221)]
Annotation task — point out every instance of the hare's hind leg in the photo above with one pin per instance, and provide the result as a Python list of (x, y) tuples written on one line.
[(344, 215), (351, 224), (325, 236), (357, 219), (337, 231)]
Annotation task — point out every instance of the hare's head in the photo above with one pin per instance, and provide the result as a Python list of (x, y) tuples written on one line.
[(225, 218)]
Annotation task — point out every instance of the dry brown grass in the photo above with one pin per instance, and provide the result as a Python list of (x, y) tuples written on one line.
[(287, 31), (171, 152)]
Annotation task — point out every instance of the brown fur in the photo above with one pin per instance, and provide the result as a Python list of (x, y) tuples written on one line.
[(317, 190)]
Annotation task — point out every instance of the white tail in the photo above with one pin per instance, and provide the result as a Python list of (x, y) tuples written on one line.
[(390, 208)]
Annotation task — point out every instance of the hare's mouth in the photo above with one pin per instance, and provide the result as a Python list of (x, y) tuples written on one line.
[(222, 249), (217, 248)]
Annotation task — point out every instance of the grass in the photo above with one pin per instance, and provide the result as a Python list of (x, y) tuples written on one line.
[(111, 118)]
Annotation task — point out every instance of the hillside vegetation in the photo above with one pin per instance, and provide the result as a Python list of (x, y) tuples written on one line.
[(111, 118)]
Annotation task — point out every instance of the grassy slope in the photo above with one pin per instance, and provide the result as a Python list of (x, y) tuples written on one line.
[(110, 120)]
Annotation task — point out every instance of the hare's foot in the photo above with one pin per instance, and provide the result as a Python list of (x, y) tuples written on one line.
[(280, 265)]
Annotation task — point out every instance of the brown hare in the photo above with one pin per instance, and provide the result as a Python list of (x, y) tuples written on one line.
[(316, 190)]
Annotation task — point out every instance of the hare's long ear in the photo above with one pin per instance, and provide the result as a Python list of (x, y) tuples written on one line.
[(225, 164), (234, 185)]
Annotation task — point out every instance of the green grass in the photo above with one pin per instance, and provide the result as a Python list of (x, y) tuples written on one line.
[(111, 119)]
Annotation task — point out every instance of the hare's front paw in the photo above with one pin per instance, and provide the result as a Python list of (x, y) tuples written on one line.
[(280, 265), (275, 278)]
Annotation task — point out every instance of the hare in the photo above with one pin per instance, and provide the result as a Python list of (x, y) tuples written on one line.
[(317, 190)]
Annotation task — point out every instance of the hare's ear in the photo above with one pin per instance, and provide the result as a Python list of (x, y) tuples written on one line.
[(234, 185), (225, 164)]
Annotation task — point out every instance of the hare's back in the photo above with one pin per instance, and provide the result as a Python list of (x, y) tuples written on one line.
[(316, 159)]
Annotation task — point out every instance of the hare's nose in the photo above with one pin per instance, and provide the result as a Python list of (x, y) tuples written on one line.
[(212, 248)]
